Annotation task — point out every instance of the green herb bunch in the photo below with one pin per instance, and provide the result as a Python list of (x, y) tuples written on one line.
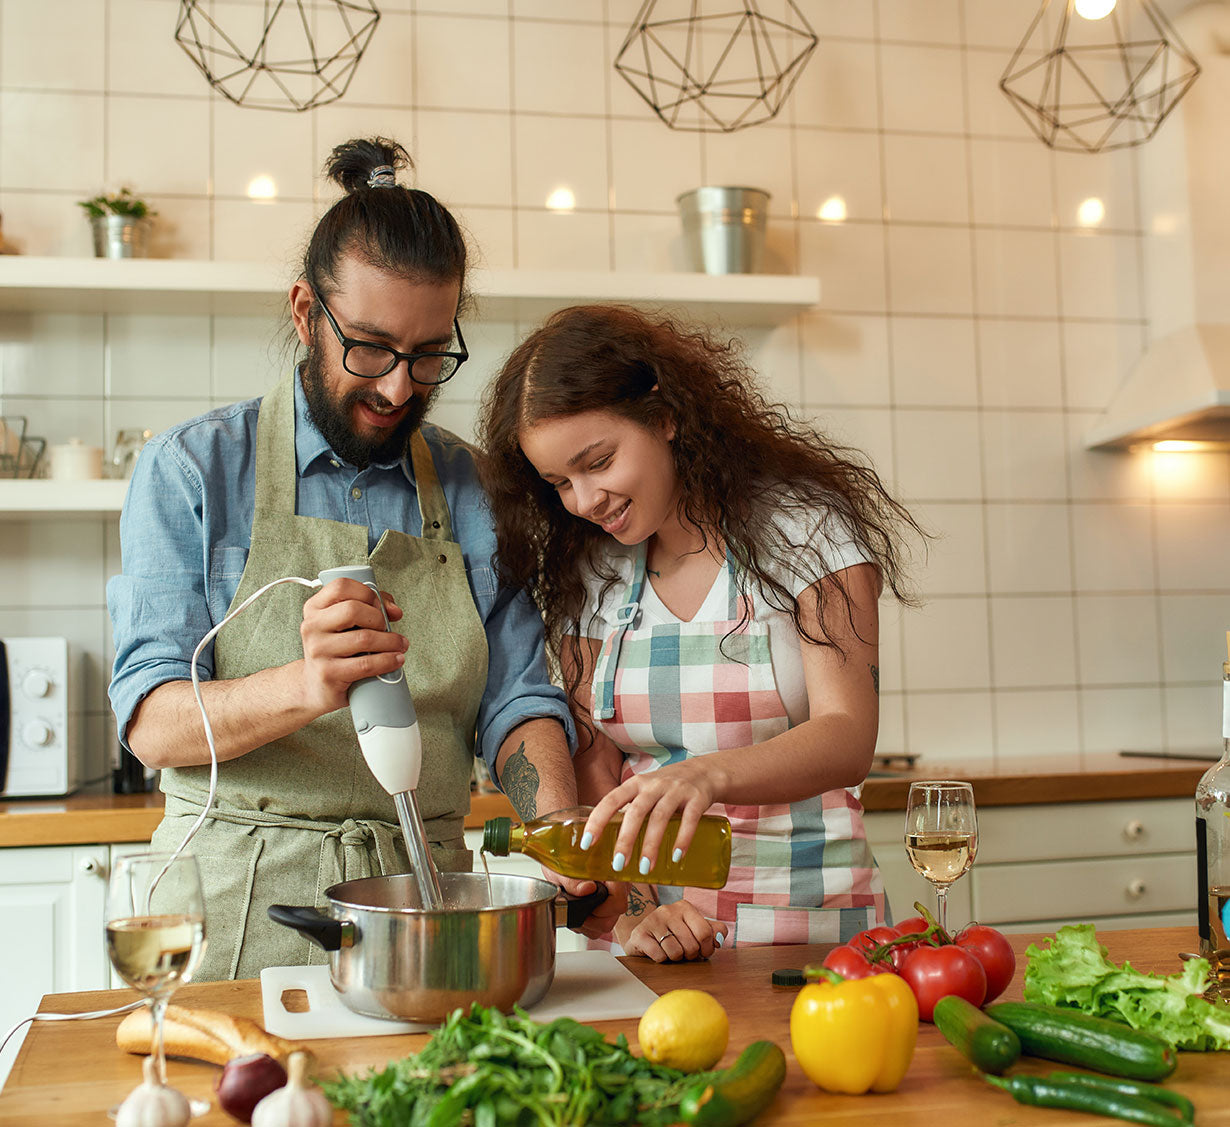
[(122, 203), (484, 1068)]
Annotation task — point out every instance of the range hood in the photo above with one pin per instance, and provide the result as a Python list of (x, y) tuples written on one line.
[(1179, 390)]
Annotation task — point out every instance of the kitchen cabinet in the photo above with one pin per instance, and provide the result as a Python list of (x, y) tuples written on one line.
[(53, 899), (1112, 864)]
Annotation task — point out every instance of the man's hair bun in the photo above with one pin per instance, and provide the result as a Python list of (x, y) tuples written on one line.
[(351, 163)]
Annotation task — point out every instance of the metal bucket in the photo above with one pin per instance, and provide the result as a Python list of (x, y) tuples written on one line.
[(723, 228), (119, 236), (390, 958)]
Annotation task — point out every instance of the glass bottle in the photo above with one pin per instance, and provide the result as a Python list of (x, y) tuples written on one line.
[(554, 841), (1213, 853)]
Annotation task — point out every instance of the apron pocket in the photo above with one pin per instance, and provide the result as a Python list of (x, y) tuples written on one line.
[(760, 925)]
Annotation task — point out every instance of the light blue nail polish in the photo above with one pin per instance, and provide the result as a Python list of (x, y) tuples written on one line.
[(677, 856), (618, 863), (587, 839), (717, 938), (644, 865)]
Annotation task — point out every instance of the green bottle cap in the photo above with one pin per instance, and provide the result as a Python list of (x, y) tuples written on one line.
[(497, 833), (788, 976)]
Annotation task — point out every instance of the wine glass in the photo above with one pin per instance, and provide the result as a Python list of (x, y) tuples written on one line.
[(941, 835), (156, 930)]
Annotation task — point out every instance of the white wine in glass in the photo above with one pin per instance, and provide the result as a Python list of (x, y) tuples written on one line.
[(941, 835), (155, 929)]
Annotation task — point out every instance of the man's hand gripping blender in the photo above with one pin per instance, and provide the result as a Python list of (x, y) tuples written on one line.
[(388, 731)]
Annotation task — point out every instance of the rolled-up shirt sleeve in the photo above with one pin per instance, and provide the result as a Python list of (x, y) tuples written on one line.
[(158, 605), (518, 686)]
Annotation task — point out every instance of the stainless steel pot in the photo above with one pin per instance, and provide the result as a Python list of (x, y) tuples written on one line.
[(390, 958)]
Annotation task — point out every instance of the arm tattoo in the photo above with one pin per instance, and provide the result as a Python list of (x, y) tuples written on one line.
[(875, 677), (520, 781), (638, 905)]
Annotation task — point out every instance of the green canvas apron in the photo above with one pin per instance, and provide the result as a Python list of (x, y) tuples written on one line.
[(304, 812)]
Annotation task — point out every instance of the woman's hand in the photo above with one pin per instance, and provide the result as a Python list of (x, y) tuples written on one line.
[(672, 933), (687, 788)]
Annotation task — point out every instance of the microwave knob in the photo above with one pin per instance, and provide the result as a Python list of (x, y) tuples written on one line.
[(37, 734), (36, 684)]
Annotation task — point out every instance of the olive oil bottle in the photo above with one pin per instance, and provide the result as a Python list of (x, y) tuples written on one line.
[(554, 841), (1213, 855)]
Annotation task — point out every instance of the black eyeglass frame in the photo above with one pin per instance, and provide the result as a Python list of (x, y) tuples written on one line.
[(411, 358)]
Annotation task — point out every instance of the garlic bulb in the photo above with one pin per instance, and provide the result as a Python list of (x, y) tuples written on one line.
[(152, 1104), (298, 1104)]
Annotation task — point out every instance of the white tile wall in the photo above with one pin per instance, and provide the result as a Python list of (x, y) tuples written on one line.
[(971, 328)]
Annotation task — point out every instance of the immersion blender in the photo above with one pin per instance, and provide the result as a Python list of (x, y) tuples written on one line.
[(388, 731)]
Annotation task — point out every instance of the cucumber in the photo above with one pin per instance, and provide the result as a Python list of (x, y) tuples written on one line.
[(990, 1045), (738, 1093), (1095, 1043)]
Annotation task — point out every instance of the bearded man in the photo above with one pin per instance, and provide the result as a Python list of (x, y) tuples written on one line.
[(335, 466)]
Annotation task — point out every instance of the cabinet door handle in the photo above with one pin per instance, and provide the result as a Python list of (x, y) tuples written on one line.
[(92, 866), (1134, 830), (1136, 889)]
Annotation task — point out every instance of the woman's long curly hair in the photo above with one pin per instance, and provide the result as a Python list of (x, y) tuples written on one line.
[(742, 464)]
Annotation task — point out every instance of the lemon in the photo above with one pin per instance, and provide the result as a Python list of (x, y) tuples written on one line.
[(684, 1029)]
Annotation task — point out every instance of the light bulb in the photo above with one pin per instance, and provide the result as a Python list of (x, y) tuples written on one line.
[(262, 188), (833, 210), (1091, 212), (1094, 9)]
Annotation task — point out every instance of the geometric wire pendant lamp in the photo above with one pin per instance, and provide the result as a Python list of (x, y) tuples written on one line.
[(712, 66), (277, 54), (1096, 75)]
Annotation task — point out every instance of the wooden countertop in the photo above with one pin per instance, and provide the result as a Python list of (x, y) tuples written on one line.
[(939, 1088), (1104, 776)]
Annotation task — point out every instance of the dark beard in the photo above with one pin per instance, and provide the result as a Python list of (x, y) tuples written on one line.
[(332, 418)]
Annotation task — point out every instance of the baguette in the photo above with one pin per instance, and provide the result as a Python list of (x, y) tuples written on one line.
[(207, 1035)]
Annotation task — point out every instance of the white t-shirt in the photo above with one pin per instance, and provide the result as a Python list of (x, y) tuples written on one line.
[(827, 531)]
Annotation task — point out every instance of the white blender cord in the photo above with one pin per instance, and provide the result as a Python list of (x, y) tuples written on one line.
[(209, 801)]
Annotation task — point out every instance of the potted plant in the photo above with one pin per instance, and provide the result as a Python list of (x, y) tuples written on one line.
[(119, 224)]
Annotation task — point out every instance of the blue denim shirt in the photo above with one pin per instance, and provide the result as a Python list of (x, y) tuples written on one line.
[(185, 530)]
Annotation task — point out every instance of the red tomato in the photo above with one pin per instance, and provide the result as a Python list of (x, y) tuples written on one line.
[(872, 937), (849, 963), (934, 972), (910, 926), (993, 951)]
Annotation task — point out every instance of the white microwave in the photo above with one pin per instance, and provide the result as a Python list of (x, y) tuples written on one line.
[(36, 753)]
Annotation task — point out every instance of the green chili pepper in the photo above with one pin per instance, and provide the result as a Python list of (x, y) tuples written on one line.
[(1044, 1091), (1154, 1092)]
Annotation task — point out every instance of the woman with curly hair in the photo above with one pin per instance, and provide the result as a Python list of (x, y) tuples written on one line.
[(708, 572)]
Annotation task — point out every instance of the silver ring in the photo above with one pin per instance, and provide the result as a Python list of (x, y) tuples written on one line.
[(663, 938)]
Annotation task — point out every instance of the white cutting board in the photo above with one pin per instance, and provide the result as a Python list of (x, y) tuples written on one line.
[(588, 986)]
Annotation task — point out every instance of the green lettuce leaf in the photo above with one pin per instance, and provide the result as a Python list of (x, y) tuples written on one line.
[(1072, 970)]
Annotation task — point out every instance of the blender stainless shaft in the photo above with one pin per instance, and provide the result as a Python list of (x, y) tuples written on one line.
[(425, 874)]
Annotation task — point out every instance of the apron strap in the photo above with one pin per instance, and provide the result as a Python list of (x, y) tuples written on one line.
[(275, 450), (433, 507), (608, 658)]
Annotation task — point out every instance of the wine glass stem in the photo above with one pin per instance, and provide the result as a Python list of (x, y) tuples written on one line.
[(158, 1011), (941, 914)]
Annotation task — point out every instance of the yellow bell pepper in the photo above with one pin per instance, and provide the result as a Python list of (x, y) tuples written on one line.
[(855, 1035)]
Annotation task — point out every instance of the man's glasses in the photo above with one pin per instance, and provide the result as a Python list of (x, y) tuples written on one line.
[(371, 361)]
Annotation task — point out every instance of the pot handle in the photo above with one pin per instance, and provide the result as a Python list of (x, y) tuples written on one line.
[(326, 932), (577, 909)]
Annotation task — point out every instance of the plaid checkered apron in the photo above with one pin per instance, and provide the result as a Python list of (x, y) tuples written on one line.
[(800, 873)]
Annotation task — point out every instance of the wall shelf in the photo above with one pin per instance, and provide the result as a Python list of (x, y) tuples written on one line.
[(95, 285), (36, 500)]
